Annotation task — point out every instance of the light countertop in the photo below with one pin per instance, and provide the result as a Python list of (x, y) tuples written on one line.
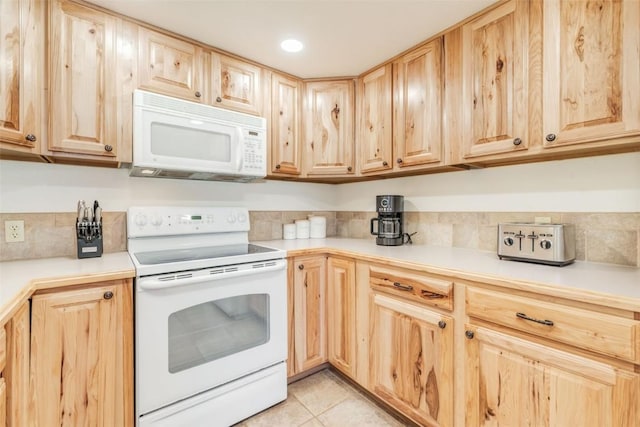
[(606, 280), (615, 286), (19, 279)]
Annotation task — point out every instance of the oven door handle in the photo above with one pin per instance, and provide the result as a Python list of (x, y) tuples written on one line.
[(165, 281)]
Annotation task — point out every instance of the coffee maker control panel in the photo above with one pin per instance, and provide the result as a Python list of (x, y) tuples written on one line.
[(390, 204)]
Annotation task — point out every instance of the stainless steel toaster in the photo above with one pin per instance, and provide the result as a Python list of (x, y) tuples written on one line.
[(552, 244)]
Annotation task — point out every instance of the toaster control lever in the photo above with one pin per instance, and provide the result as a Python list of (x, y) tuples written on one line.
[(533, 236)]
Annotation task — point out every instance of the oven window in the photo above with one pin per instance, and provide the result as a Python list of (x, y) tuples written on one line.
[(216, 329)]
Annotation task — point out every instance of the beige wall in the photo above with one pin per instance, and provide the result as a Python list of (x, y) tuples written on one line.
[(612, 238)]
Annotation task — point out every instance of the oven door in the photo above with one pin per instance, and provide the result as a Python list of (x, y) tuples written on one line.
[(198, 330)]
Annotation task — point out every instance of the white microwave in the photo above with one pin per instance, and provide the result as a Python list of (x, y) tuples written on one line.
[(173, 138)]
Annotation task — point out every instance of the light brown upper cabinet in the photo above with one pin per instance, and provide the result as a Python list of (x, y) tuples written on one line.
[(495, 63), (236, 85), (170, 66), (328, 117), (286, 138), (22, 27), (417, 106), (375, 152), (85, 121), (591, 72)]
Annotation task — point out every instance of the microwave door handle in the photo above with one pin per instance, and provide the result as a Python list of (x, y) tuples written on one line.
[(152, 284), (240, 150)]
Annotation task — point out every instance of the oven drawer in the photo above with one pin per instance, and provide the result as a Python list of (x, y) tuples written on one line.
[(603, 333), (419, 287)]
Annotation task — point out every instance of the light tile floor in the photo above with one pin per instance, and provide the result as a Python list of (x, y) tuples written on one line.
[(323, 399)]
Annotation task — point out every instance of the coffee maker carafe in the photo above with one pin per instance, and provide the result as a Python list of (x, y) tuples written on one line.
[(390, 220)]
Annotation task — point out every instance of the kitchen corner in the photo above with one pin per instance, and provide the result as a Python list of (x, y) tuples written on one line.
[(589, 282), (20, 279)]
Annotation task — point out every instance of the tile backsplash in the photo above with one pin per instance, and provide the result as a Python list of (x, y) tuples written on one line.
[(612, 238)]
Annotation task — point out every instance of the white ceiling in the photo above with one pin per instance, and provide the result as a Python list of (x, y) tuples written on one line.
[(341, 38)]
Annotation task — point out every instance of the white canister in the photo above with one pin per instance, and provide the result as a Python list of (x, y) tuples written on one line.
[(317, 227), (302, 229), (288, 231)]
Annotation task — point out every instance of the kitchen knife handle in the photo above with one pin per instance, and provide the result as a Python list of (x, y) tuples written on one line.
[(80, 209)]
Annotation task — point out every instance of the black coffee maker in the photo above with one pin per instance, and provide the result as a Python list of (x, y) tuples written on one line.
[(390, 220)]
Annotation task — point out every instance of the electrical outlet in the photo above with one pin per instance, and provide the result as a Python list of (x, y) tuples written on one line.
[(14, 231)]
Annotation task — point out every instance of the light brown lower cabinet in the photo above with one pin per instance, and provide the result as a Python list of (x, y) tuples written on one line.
[(16, 371), (341, 312), (391, 330), (82, 356), (512, 381), (411, 359), (307, 313)]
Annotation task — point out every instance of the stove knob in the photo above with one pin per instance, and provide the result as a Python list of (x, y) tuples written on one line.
[(242, 218), (231, 219), (141, 220), (156, 220), (508, 241), (545, 244)]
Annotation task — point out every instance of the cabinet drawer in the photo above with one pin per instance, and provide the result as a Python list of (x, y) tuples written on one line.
[(3, 350), (422, 288), (599, 332)]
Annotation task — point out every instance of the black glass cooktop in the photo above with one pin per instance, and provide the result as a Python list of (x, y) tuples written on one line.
[(192, 254)]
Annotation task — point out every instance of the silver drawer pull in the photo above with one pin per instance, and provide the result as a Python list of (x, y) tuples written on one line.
[(402, 287), (525, 317)]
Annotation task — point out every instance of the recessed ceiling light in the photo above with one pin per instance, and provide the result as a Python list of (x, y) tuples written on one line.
[(291, 45)]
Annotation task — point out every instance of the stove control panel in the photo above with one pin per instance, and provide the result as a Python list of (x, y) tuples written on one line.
[(168, 220), (552, 244)]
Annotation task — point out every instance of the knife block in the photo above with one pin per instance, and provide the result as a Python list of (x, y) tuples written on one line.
[(89, 238)]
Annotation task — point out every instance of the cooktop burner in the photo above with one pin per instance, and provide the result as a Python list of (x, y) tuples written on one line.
[(200, 253)]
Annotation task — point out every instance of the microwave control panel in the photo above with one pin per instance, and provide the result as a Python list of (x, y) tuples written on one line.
[(255, 151)]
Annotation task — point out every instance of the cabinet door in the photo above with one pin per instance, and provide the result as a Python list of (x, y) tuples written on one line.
[(374, 121), (591, 70), (512, 381), (237, 85), (341, 306), (328, 128), (81, 357), (285, 125), (21, 74), (83, 91), (310, 312), (417, 118), (495, 81), (170, 66), (411, 354), (16, 372)]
